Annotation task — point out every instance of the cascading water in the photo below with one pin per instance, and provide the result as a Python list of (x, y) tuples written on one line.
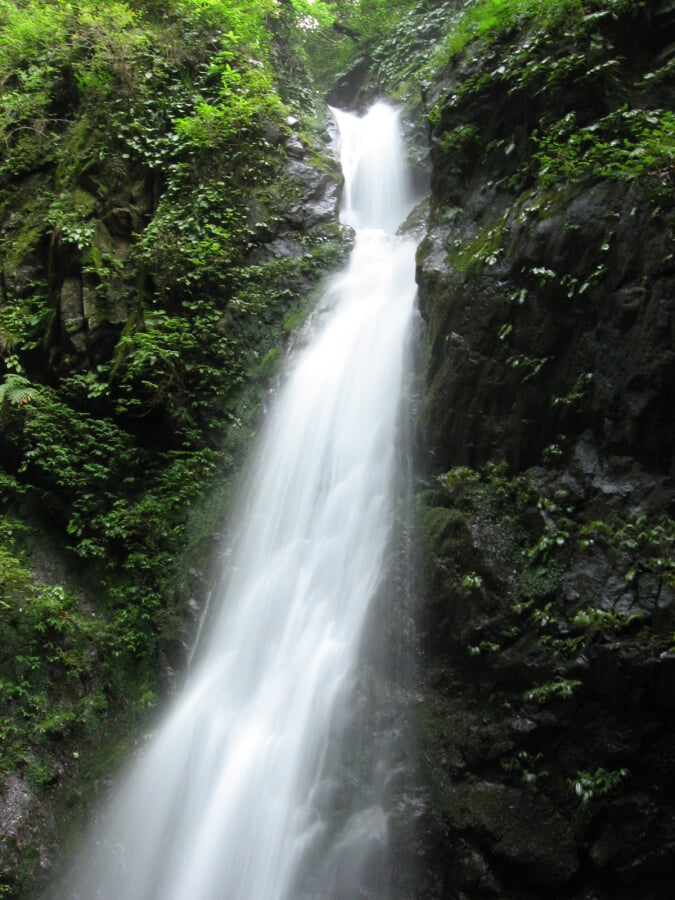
[(236, 795)]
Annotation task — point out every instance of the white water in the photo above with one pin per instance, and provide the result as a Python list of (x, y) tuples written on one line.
[(232, 799)]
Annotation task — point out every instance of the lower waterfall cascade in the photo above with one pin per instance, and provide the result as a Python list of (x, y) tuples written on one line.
[(240, 793)]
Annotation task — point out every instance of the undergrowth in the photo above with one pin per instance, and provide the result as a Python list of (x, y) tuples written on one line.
[(489, 21)]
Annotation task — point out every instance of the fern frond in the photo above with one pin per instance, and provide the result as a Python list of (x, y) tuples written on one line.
[(17, 390)]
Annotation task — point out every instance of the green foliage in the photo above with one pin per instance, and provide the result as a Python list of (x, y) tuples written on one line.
[(595, 619), (365, 20), (43, 41), (151, 367), (460, 476), (314, 15), (483, 647), (332, 35), (462, 139), (548, 541), (124, 505), (557, 689), (647, 540), (28, 29), (17, 390), (530, 366), (244, 25), (471, 580), (490, 20), (626, 144), (196, 231), (52, 648), (245, 97), (72, 451), (526, 766), (461, 145), (587, 785), (70, 217)]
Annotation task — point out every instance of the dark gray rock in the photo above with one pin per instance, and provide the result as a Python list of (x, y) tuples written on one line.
[(550, 339), (317, 197), (294, 147), (71, 312)]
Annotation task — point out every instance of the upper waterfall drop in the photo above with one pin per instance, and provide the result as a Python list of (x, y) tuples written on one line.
[(377, 191), (241, 794)]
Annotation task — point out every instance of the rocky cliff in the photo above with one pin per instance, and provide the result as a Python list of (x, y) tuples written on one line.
[(547, 615)]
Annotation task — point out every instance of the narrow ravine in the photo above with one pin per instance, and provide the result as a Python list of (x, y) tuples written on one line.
[(236, 795)]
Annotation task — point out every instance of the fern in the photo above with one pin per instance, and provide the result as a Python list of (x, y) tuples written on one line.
[(17, 390)]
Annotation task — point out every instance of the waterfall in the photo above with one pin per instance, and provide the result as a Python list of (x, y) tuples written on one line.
[(241, 792)]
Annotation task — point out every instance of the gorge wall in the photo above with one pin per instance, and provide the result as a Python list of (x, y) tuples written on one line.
[(547, 616)]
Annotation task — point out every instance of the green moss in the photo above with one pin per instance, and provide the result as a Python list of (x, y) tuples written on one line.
[(29, 209), (271, 362), (484, 249), (444, 531), (28, 862), (83, 148)]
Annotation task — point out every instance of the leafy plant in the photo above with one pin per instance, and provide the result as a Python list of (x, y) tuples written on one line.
[(483, 647), (595, 619), (526, 765), (626, 144), (471, 580), (17, 390), (530, 366), (557, 689), (490, 20), (587, 785), (649, 541), (46, 662)]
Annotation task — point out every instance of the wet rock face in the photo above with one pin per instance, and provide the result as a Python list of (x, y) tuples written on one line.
[(547, 608), (91, 321), (22, 824), (570, 327), (317, 200), (545, 720)]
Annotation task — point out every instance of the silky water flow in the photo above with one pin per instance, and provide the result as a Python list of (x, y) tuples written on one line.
[(243, 792)]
